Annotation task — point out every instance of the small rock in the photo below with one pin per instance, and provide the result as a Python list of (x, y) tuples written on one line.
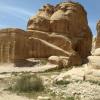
[(43, 98), (97, 52), (94, 62), (59, 60)]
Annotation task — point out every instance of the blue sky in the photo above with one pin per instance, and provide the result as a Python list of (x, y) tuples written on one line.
[(15, 13)]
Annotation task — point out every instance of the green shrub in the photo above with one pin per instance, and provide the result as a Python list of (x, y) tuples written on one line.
[(62, 82), (94, 82), (70, 98), (28, 83), (43, 62)]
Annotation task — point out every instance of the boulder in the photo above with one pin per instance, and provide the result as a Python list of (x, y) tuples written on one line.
[(94, 62), (59, 60), (43, 98), (96, 52), (64, 61)]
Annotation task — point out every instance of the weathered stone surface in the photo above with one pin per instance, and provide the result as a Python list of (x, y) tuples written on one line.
[(46, 11), (98, 35), (65, 26), (63, 61), (93, 44), (43, 98), (60, 30), (58, 60), (12, 44), (57, 40), (17, 44), (39, 23), (96, 52), (94, 62)]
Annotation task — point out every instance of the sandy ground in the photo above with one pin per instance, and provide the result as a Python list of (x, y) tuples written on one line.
[(87, 91), (5, 95), (9, 96), (36, 68), (8, 68)]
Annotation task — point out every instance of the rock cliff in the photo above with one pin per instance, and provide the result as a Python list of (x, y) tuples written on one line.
[(98, 35), (94, 60), (68, 21), (60, 30)]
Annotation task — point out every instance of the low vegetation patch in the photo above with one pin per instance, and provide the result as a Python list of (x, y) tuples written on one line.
[(94, 82), (70, 98), (28, 83), (62, 82)]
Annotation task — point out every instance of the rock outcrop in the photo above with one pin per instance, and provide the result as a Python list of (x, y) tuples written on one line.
[(60, 30), (94, 60), (16, 44), (98, 35), (64, 26), (13, 44)]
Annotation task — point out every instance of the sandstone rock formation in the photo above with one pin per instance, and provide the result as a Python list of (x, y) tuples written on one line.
[(94, 60), (63, 61), (66, 27), (60, 30), (16, 44), (12, 44), (98, 35)]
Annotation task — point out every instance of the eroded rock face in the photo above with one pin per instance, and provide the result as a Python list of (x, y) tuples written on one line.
[(63, 61), (60, 30), (16, 44), (13, 44), (41, 21), (94, 60), (65, 26), (98, 35)]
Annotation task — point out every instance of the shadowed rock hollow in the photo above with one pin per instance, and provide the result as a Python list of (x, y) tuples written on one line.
[(60, 30)]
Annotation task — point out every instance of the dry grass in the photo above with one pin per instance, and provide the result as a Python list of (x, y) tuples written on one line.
[(28, 83)]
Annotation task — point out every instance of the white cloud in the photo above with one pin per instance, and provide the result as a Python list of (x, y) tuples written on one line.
[(20, 13)]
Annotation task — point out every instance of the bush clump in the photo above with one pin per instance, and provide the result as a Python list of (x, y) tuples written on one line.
[(70, 98), (62, 82), (28, 83)]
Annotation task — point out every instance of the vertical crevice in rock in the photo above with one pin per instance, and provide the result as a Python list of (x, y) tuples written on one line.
[(8, 52), (13, 50), (1, 52)]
